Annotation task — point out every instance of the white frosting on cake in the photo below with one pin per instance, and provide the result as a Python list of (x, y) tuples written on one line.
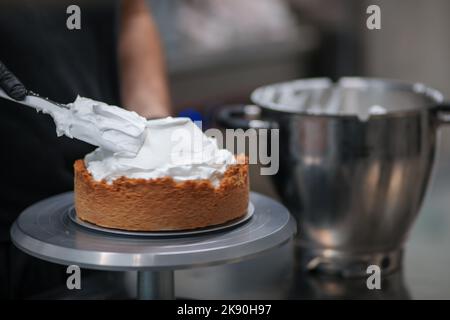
[(130, 146), (173, 147)]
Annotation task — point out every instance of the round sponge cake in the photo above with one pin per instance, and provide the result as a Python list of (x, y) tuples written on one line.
[(161, 204)]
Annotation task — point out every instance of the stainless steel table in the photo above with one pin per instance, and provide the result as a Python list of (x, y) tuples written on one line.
[(45, 231)]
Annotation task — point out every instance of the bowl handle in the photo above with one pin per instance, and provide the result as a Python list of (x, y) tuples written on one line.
[(441, 113), (244, 117)]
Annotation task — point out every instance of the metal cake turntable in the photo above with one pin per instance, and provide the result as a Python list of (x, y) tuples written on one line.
[(46, 231)]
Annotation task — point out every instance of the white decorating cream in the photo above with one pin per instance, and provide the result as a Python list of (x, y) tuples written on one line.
[(173, 147), (109, 127), (130, 146)]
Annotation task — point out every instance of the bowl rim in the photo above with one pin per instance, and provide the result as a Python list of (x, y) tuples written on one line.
[(433, 95)]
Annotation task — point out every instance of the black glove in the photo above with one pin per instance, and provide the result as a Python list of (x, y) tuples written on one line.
[(10, 84)]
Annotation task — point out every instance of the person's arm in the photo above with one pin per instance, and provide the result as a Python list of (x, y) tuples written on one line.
[(143, 78)]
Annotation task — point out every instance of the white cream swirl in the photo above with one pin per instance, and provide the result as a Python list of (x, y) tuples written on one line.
[(130, 146), (97, 123), (173, 147), (109, 127)]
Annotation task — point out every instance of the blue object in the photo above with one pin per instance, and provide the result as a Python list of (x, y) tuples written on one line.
[(192, 114)]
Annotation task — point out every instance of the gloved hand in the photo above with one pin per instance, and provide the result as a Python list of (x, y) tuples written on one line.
[(10, 84)]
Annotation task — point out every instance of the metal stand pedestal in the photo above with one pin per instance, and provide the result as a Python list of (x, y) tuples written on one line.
[(45, 231), (156, 285)]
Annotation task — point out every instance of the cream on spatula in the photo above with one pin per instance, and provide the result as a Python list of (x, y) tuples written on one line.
[(109, 127)]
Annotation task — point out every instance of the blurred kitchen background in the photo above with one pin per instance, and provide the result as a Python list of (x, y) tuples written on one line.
[(219, 51)]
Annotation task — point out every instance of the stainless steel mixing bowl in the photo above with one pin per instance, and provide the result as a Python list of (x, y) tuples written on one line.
[(355, 160)]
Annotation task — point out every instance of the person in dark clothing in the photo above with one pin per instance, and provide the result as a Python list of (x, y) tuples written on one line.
[(114, 57)]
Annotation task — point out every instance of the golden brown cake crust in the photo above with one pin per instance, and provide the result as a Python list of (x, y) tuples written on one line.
[(161, 204)]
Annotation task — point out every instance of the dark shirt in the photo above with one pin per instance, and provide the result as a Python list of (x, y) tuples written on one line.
[(58, 63), (50, 59)]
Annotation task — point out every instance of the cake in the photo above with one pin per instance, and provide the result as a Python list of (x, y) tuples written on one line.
[(162, 203), (149, 175), (178, 180)]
